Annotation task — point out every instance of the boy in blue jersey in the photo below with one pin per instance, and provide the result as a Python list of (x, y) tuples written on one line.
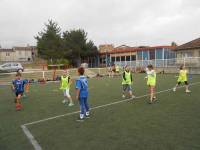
[(82, 94), (18, 87)]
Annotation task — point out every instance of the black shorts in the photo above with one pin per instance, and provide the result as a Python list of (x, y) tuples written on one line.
[(186, 83), (19, 93)]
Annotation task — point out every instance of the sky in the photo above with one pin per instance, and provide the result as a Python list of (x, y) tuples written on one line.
[(118, 22)]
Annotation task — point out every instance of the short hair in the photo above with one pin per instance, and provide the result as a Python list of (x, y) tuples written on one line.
[(81, 70), (18, 74), (181, 67), (150, 66)]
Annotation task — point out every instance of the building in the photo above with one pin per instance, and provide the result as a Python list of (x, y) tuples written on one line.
[(188, 53), (19, 54), (190, 49), (136, 56)]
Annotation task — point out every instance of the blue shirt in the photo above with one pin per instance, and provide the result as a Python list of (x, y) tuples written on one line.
[(19, 85), (82, 85)]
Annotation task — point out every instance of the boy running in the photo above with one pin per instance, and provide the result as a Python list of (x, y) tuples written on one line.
[(65, 86), (182, 78), (82, 94), (126, 83), (151, 82), (18, 87)]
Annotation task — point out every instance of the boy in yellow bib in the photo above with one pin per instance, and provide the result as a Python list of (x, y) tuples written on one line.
[(65, 86), (182, 78), (151, 82)]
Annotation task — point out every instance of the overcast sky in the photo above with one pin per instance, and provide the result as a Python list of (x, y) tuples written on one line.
[(131, 22)]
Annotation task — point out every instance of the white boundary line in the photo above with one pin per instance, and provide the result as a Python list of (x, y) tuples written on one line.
[(37, 146)]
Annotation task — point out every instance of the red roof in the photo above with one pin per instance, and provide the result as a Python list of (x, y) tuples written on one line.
[(134, 49)]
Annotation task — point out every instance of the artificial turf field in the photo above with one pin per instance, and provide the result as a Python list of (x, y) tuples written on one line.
[(172, 123)]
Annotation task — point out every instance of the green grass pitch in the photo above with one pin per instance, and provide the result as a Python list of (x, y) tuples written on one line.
[(173, 123)]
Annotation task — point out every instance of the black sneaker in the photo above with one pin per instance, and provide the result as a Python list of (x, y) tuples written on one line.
[(88, 116)]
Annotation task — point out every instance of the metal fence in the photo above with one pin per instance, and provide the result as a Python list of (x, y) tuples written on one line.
[(163, 63)]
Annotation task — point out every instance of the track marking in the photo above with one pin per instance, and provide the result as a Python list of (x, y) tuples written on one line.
[(31, 138), (35, 143)]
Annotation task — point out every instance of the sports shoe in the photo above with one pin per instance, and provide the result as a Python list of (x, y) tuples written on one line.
[(80, 119), (174, 89), (71, 104), (133, 96), (87, 115), (123, 96), (64, 101), (187, 91)]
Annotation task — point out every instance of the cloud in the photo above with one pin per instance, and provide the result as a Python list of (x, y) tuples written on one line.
[(144, 22)]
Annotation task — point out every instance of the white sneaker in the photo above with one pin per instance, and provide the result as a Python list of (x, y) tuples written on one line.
[(174, 89), (133, 96), (71, 104), (187, 91), (123, 96), (64, 101)]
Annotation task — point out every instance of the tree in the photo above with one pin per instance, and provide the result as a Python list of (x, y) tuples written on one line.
[(76, 45), (174, 44), (49, 41), (72, 45)]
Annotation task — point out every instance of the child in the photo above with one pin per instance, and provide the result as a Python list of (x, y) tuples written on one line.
[(27, 88), (126, 82), (18, 87), (82, 94), (151, 82), (182, 79), (65, 86)]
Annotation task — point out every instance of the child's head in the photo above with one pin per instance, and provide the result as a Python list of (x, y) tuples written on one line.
[(127, 68), (182, 67), (18, 75), (65, 73), (81, 71), (150, 67)]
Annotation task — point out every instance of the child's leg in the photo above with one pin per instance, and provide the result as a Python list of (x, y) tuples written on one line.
[(187, 87), (151, 94), (87, 108), (154, 92), (18, 104), (124, 87), (130, 91), (65, 96), (69, 97), (174, 89), (82, 107)]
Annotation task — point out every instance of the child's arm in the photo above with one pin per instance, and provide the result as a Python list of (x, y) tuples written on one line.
[(77, 94)]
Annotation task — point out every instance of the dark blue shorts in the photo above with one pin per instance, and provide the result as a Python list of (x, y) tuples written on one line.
[(19, 93)]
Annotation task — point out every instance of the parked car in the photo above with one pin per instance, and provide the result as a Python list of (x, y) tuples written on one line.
[(11, 67)]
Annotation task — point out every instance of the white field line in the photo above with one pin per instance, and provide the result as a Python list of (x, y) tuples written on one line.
[(101, 106), (31, 138), (35, 143)]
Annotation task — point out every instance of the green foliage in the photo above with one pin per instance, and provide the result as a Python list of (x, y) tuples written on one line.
[(49, 41), (71, 45)]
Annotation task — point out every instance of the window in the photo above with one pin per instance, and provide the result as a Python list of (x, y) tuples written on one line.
[(128, 58), (122, 58), (139, 55), (188, 54), (133, 57), (7, 54), (118, 58), (152, 54), (113, 59), (159, 54), (145, 55)]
